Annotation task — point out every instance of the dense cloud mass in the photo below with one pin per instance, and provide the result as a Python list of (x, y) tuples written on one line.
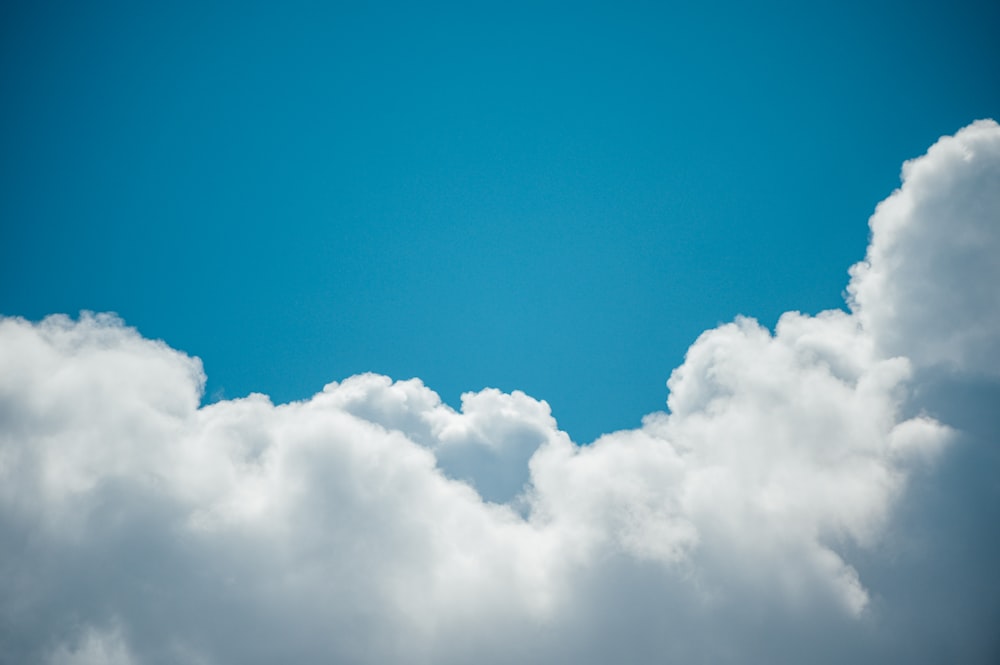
[(927, 289), (822, 493)]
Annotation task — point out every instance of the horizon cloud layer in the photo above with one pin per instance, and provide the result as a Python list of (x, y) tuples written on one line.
[(796, 500)]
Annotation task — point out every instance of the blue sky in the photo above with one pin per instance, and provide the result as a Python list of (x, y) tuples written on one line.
[(551, 197), (511, 203)]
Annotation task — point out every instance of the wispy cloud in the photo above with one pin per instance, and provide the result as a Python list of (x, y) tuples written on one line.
[(753, 521)]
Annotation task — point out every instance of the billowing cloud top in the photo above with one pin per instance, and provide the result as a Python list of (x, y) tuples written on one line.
[(928, 287), (775, 513)]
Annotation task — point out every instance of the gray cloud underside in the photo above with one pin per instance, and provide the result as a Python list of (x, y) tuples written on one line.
[(823, 493)]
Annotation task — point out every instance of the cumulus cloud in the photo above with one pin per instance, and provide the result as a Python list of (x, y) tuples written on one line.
[(927, 289), (760, 518)]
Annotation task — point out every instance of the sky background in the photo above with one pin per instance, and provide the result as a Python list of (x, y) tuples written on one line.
[(551, 197), (576, 201)]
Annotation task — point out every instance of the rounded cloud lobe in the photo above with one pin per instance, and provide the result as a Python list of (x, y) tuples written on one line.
[(928, 286), (757, 519)]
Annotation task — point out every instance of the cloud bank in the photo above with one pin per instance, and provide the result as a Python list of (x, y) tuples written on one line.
[(788, 506)]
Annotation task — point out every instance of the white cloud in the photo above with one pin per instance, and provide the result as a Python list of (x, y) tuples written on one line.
[(775, 449), (928, 287), (94, 647), (372, 523)]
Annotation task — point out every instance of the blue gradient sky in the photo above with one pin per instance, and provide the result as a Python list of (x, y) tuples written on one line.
[(551, 197)]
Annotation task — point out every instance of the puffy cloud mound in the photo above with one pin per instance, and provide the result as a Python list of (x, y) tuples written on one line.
[(756, 520), (928, 287)]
